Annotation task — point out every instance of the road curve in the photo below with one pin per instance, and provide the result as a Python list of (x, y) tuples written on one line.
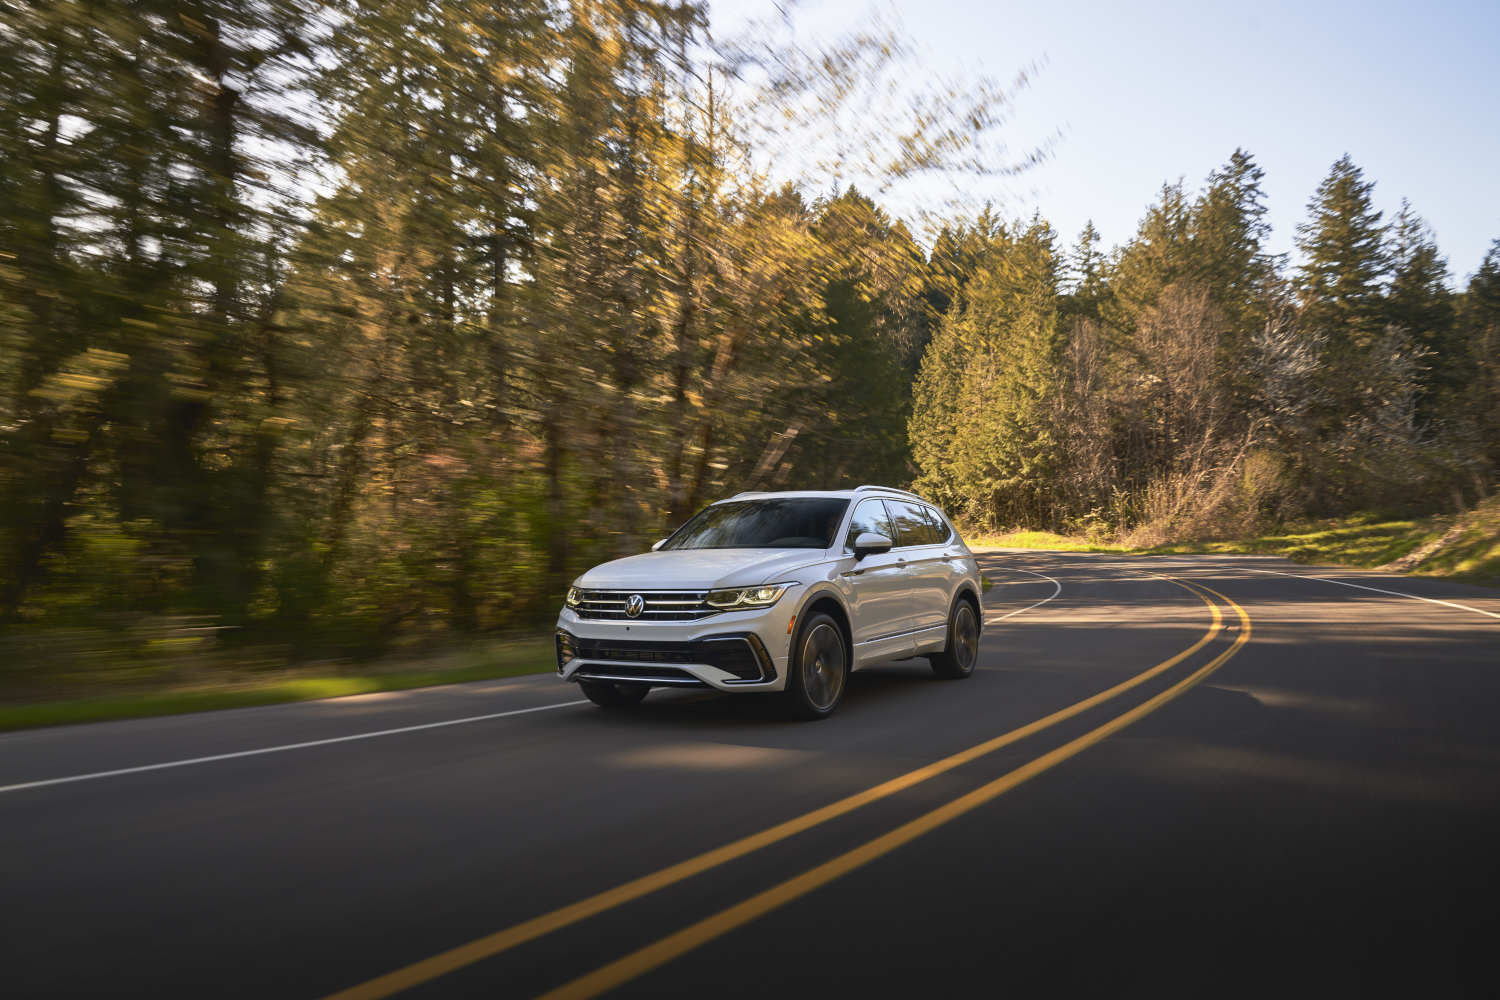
[(1184, 774)]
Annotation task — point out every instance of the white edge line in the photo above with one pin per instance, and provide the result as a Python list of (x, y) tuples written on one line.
[(1012, 614), (1378, 590), (277, 749)]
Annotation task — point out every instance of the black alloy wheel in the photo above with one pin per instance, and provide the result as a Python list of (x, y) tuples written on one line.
[(819, 668), (958, 658)]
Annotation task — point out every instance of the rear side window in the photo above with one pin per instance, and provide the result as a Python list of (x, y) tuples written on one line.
[(869, 516), (938, 525), (912, 527)]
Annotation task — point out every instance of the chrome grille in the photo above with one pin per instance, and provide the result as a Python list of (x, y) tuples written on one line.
[(661, 605)]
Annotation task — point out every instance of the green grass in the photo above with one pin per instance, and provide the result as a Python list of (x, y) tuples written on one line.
[(511, 659), (1473, 556), (1463, 547), (1363, 541), (1042, 540)]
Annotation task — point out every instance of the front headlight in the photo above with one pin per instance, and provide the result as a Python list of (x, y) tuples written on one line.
[(575, 597), (744, 598)]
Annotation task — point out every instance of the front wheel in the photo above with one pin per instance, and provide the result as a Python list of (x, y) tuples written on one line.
[(818, 668), (958, 658), (609, 694)]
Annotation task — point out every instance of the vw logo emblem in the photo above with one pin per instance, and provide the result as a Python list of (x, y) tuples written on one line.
[(634, 605)]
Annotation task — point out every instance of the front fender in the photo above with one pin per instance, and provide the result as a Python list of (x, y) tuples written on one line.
[(818, 591)]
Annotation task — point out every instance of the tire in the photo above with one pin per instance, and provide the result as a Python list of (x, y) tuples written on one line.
[(818, 668), (962, 651), (607, 694)]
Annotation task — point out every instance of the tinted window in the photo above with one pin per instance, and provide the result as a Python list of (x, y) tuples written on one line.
[(910, 523), (939, 526), (869, 516), (780, 523)]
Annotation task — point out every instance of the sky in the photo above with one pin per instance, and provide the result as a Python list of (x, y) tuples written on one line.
[(1145, 93)]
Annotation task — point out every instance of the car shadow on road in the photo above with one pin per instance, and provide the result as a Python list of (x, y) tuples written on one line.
[(867, 688)]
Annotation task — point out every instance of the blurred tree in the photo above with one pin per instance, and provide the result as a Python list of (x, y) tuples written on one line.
[(850, 396), (145, 227)]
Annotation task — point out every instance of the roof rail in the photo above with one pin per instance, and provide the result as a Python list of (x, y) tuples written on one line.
[(868, 487), (889, 489)]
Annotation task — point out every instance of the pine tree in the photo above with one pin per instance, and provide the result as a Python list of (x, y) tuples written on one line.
[(979, 428), (1479, 326), (1228, 234), (1161, 254), (1420, 303), (1341, 279), (1086, 279)]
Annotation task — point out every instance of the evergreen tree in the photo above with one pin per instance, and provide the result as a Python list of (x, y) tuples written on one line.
[(979, 426), (957, 253), (1341, 279), (1086, 277), (1158, 256), (1420, 303), (1479, 327), (1229, 230)]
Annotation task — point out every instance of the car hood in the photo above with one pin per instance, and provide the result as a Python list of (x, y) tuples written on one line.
[(698, 569)]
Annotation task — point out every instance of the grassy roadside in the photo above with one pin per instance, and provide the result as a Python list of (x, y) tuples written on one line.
[(508, 659), (1463, 547)]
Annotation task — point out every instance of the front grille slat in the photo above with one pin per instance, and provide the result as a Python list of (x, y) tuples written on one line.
[(661, 605), (742, 655), (661, 675)]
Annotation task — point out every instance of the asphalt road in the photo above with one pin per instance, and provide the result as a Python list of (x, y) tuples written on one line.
[(1291, 784)]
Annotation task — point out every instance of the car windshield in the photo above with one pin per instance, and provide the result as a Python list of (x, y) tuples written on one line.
[(780, 523)]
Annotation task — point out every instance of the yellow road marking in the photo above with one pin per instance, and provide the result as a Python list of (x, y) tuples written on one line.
[(503, 940), (668, 948)]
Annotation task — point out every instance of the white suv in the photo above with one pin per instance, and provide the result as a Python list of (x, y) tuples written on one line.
[(777, 592)]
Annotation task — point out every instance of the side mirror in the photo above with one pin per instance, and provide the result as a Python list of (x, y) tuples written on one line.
[(869, 543), (659, 543)]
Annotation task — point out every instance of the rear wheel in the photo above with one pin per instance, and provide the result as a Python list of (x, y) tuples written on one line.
[(611, 694), (958, 658), (819, 666)]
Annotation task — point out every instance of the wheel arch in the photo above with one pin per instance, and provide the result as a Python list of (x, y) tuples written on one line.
[(828, 600), (968, 592)]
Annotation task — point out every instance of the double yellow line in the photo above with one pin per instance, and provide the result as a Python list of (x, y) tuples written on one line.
[(650, 957)]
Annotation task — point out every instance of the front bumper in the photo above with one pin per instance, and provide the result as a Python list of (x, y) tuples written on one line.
[(734, 651)]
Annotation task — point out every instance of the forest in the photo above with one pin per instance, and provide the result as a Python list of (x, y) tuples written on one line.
[(330, 326)]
